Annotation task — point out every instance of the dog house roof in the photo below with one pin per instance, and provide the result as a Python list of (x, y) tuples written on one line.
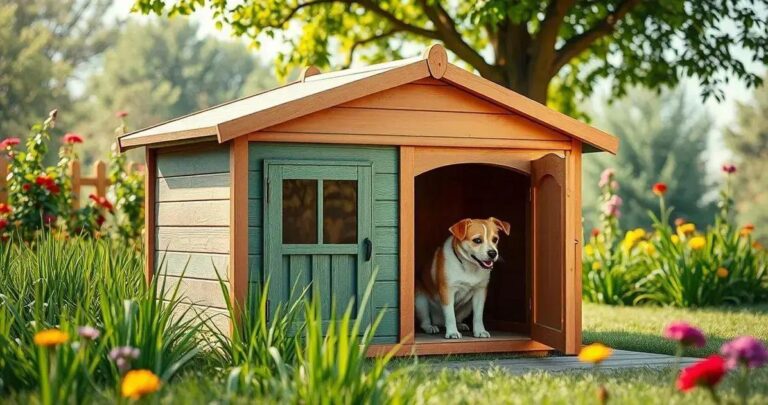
[(315, 91)]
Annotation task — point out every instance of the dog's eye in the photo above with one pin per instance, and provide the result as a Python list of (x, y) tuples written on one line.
[(495, 239), (477, 240)]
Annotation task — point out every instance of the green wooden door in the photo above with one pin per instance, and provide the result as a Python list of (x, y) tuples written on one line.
[(318, 231)]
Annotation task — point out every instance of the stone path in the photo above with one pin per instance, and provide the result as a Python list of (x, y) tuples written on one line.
[(621, 359)]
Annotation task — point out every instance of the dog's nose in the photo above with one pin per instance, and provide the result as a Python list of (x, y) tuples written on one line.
[(492, 254)]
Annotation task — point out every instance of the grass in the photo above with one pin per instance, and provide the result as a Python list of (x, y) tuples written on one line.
[(639, 328)]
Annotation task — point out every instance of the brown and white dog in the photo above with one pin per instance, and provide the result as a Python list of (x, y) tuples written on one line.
[(457, 281)]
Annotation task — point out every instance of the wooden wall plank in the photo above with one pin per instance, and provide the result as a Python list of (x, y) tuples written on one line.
[(384, 161), (193, 188), (427, 98), (197, 292), (193, 265), (193, 239), (340, 120), (201, 159), (193, 213)]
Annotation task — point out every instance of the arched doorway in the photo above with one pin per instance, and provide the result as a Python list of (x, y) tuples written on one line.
[(445, 195)]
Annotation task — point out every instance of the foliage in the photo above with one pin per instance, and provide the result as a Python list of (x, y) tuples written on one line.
[(663, 139), (40, 197), (748, 140), (676, 266), (651, 43), (44, 45), (160, 70)]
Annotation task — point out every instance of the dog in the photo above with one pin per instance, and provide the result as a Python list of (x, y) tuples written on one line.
[(456, 283)]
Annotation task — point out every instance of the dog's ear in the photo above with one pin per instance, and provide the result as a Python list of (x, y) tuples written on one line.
[(502, 225), (459, 229)]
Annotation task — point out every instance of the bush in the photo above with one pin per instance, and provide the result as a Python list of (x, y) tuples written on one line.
[(673, 265)]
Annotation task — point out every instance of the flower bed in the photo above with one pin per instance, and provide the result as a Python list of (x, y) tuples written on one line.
[(670, 264)]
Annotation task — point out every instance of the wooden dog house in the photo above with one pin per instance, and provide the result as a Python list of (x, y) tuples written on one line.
[(324, 179)]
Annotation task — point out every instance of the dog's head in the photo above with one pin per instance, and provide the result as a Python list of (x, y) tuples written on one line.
[(477, 240)]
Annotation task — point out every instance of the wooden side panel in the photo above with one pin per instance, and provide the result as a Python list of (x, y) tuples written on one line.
[(573, 252), (385, 195), (421, 97), (191, 231), (449, 124), (549, 255)]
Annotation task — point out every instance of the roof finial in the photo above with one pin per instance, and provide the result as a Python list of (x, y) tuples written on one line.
[(308, 71), (437, 60)]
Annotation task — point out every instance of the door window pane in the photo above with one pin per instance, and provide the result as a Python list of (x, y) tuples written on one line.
[(299, 211), (339, 211)]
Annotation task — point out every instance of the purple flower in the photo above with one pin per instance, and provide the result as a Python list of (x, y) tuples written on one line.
[(744, 350), (88, 332), (611, 207), (605, 177), (122, 357), (685, 334)]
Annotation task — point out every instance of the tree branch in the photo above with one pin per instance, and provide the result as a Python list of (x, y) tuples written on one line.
[(550, 27), (396, 22), (351, 54), (446, 28), (299, 7), (579, 43)]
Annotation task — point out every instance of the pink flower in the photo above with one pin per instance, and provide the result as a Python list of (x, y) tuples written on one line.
[(612, 207), (729, 168), (121, 114), (73, 138), (685, 334), (88, 332), (606, 177), (744, 350), (9, 142)]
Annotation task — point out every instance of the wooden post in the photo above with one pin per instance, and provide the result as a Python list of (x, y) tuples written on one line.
[(238, 225), (149, 214), (407, 255), (74, 174), (100, 172)]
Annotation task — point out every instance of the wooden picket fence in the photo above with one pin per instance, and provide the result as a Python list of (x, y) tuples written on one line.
[(97, 182)]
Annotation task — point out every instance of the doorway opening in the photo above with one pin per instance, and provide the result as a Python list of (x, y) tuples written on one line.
[(445, 195)]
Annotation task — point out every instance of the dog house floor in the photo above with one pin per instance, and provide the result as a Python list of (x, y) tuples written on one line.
[(495, 337)]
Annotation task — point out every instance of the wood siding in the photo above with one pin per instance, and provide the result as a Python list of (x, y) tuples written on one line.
[(192, 224), (385, 219)]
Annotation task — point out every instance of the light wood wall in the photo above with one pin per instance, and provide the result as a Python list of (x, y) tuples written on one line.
[(192, 224)]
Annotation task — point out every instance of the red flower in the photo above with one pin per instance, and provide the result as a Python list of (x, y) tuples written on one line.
[(47, 182), (26, 186), (3, 223), (48, 219), (659, 189), (8, 142), (5, 208), (101, 202), (706, 373), (100, 220), (729, 168), (121, 114), (73, 138), (42, 180), (595, 232)]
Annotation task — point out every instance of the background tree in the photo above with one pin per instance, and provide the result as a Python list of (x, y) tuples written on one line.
[(663, 138), (44, 44), (161, 70), (748, 140), (522, 45)]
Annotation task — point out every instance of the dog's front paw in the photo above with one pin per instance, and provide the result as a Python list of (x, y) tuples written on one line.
[(431, 329), (482, 333), (452, 334), (463, 327)]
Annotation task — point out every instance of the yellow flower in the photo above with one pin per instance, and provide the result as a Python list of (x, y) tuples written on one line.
[(722, 272), (138, 383), (647, 248), (589, 250), (50, 337), (631, 238), (697, 242), (675, 239), (596, 265), (595, 353), (685, 229)]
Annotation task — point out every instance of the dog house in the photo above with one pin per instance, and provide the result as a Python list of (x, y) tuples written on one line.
[(324, 179)]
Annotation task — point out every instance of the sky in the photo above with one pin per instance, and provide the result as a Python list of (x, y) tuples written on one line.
[(722, 113)]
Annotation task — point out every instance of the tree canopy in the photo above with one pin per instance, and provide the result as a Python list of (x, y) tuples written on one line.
[(535, 47), (663, 139)]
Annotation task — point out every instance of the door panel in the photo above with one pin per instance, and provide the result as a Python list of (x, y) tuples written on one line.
[(317, 218), (548, 210)]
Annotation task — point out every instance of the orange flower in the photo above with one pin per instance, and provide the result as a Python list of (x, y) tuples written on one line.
[(746, 230), (722, 272), (659, 189), (757, 245), (50, 337), (138, 383)]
